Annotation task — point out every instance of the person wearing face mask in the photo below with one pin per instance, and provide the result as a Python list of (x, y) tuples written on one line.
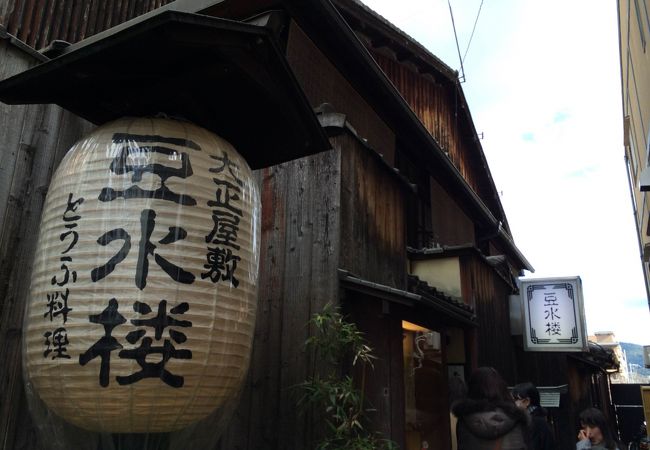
[(594, 433), (526, 398)]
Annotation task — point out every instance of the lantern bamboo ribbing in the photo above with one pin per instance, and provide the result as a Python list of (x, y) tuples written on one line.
[(190, 208)]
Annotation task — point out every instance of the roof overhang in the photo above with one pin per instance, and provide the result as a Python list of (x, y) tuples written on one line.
[(336, 124), (599, 358), (328, 29), (441, 308), (228, 77), (20, 44), (470, 250), (386, 35)]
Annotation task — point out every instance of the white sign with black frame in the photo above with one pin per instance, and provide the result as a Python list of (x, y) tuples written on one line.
[(554, 319)]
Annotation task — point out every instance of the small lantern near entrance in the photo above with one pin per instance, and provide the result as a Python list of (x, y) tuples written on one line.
[(144, 287)]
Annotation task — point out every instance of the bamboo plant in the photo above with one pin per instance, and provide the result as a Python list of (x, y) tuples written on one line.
[(340, 400)]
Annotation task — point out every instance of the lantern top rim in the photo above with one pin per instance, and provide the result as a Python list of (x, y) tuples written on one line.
[(229, 77)]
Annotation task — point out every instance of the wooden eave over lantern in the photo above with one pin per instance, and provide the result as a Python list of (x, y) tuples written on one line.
[(228, 77)]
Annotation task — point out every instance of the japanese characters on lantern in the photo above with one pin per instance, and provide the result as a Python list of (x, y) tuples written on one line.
[(222, 255), (57, 309), (163, 326), (152, 298)]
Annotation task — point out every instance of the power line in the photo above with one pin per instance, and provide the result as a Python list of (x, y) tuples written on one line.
[(462, 70), (473, 29)]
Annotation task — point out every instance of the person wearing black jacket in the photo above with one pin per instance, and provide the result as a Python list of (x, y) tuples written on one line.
[(526, 397), (488, 418)]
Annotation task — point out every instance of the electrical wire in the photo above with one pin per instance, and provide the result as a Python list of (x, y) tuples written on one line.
[(473, 29), (462, 70)]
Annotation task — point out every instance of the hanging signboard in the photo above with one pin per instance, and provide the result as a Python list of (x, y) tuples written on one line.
[(554, 319)]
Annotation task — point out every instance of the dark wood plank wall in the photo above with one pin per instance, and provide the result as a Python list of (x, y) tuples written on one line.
[(373, 216), (38, 22), (384, 386), (11, 117), (435, 105), (540, 368), (588, 387), (372, 221), (33, 139), (322, 83), (552, 369), (300, 248), (451, 226), (488, 293)]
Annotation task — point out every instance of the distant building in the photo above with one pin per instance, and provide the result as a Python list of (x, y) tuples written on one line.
[(634, 32), (607, 339)]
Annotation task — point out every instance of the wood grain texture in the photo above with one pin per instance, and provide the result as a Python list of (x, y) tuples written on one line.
[(435, 106), (384, 384), (483, 289), (373, 216), (450, 225), (38, 23), (55, 132), (299, 257), (33, 139), (323, 83), (438, 107)]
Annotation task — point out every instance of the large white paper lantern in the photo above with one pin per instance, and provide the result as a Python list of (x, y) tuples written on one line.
[(144, 285)]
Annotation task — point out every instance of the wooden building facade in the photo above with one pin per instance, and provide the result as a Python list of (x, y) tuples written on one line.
[(399, 223)]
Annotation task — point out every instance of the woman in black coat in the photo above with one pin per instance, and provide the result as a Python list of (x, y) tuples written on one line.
[(488, 418), (526, 398)]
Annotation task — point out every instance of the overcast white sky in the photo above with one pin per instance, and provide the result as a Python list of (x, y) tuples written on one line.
[(543, 85)]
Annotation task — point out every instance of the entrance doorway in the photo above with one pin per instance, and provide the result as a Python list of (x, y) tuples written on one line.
[(425, 389)]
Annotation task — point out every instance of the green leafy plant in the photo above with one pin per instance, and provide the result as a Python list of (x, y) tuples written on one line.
[(340, 400)]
